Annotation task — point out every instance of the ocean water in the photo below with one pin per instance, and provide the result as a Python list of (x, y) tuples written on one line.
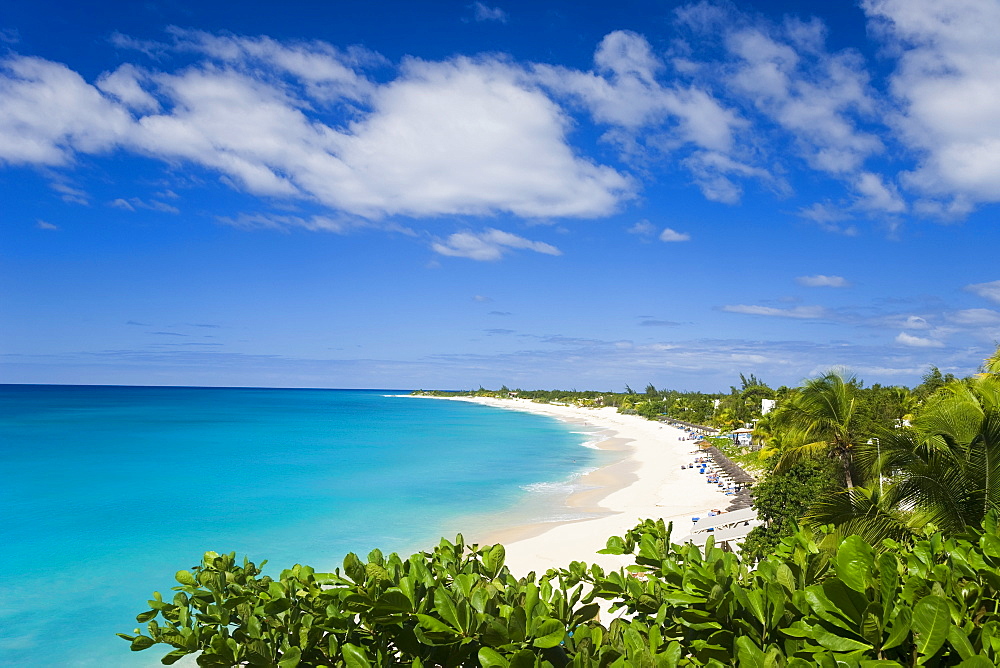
[(105, 492)]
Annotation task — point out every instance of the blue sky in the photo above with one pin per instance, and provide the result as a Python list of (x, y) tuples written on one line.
[(545, 194)]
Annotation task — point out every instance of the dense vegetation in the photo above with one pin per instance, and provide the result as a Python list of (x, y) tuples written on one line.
[(934, 602), (880, 548)]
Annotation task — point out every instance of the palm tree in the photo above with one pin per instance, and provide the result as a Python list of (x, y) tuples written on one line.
[(992, 363), (817, 421), (874, 514), (948, 466)]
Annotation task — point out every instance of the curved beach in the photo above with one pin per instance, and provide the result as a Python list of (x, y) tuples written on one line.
[(646, 483)]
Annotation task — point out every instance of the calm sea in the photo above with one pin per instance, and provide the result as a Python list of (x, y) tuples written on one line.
[(105, 492)]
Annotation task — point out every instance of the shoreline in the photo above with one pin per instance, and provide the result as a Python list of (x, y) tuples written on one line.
[(646, 482)]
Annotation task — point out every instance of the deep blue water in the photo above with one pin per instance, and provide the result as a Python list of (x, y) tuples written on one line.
[(105, 492)]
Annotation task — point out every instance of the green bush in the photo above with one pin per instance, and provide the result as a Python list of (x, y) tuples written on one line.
[(934, 603)]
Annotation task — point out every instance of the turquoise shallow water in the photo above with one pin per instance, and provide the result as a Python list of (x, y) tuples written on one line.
[(107, 491)]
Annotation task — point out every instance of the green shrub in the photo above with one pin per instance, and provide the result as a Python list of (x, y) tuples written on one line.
[(933, 603)]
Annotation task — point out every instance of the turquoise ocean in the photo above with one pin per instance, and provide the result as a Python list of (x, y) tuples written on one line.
[(105, 492)]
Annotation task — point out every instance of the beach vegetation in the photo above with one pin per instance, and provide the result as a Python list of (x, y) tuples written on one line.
[(813, 601), (907, 457)]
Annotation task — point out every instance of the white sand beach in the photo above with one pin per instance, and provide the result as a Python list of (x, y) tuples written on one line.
[(647, 483)]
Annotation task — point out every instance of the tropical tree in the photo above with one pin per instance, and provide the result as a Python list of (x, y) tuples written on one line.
[(818, 421), (992, 363), (948, 465)]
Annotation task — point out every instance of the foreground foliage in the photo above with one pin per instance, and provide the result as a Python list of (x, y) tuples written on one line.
[(933, 603)]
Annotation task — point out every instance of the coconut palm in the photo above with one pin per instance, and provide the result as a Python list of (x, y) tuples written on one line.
[(817, 421), (992, 363), (948, 465), (874, 514)]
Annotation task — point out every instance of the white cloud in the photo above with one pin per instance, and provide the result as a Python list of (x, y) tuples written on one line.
[(714, 173), (70, 194), (643, 228), (917, 342), (829, 217), (48, 112), (253, 221), (45, 225), (800, 312), (124, 84), (670, 235), (947, 80), (990, 291), (468, 137), (822, 281), (327, 73), (810, 93), (134, 203), (461, 136), (490, 244), (976, 317), (647, 117), (482, 299), (915, 322), (875, 195), (483, 12)]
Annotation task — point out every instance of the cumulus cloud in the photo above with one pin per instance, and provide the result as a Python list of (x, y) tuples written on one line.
[(811, 93), (626, 91), (623, 90), (463, 136), (822, 281), (48, 113), (947, 81), (490, 244), (799, 312), (990, 291), (917, 342), (670, 235)]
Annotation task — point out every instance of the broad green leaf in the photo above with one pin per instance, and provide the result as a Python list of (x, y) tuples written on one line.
[(354, 568), (748, 654), (291, 658), (185, 578), (277, 606), (490, 658), (173, 657), (446, 608), (836, 642), (958, 639), (392, 601), (523, 659), (434, 625), (900, 629), (144, 617), (854, 562), (141, 642), (931, 621), (977, 662), (355, 657), (548, 633)]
